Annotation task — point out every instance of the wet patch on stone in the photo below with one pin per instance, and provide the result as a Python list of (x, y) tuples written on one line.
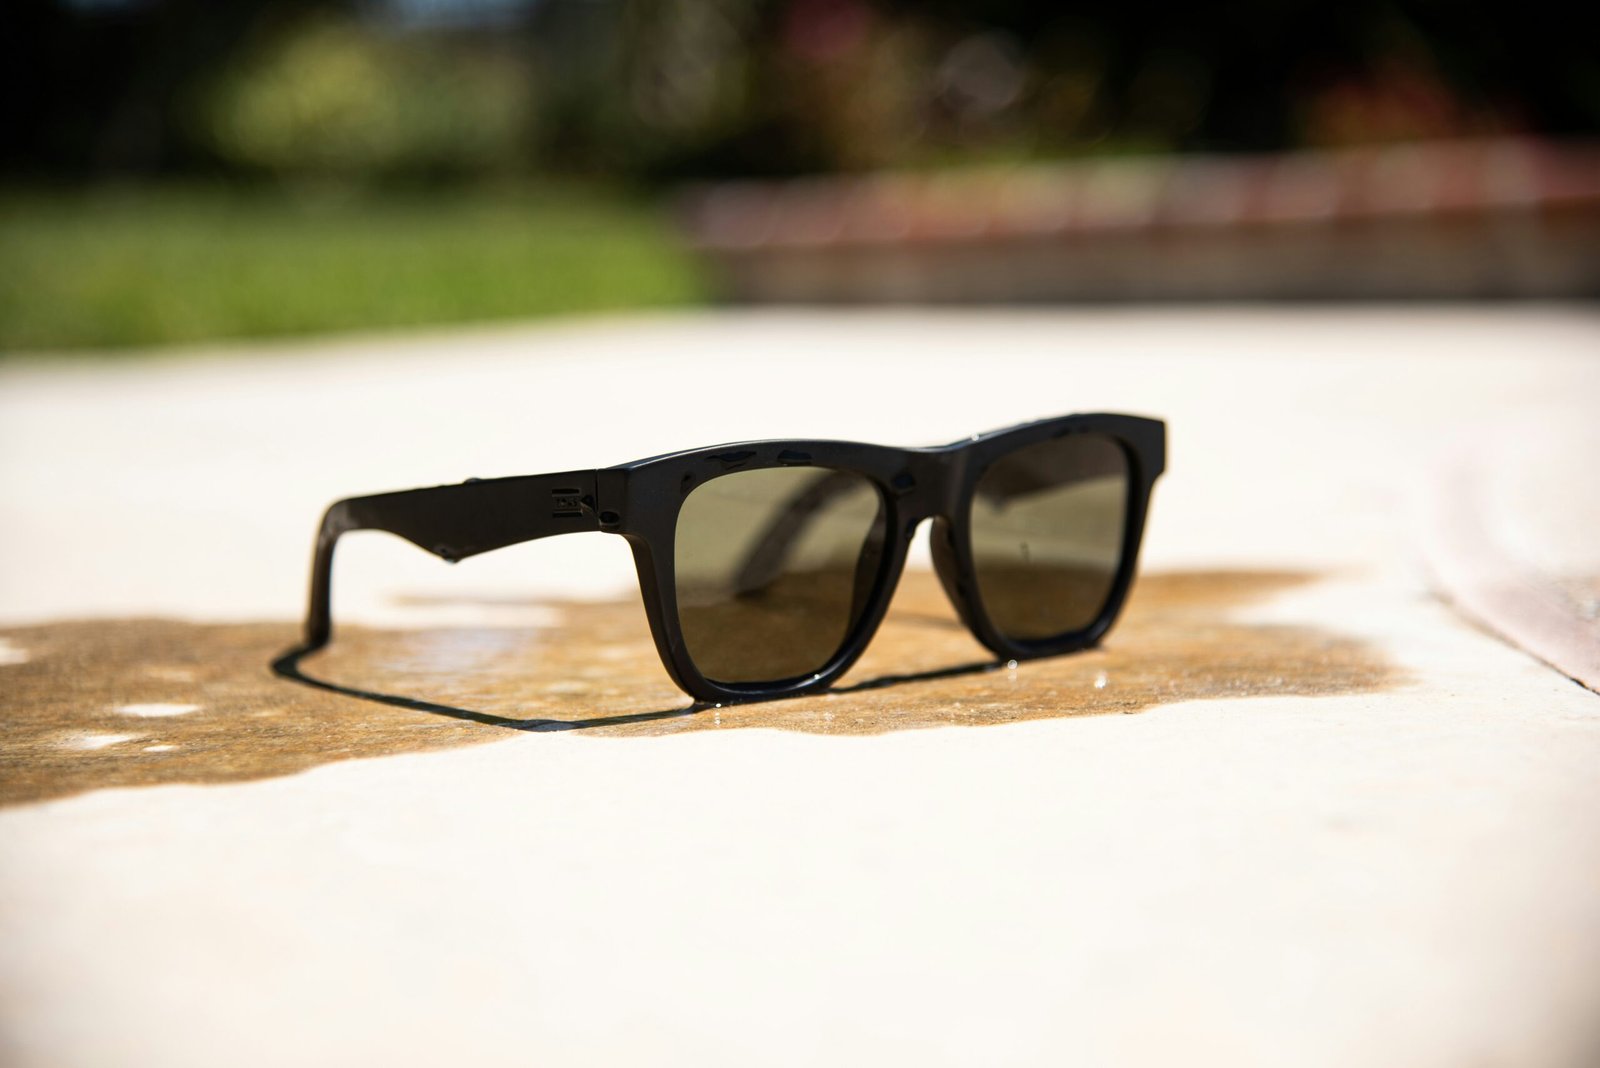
[(145, 702)]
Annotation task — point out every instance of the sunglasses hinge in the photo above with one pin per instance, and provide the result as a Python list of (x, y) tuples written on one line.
[(610, 488)]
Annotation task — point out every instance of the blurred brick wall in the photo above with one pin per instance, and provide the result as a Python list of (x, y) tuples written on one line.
[(1508, 218)]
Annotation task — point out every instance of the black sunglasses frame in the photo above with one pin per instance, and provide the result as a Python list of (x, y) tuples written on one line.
[(640, 501)]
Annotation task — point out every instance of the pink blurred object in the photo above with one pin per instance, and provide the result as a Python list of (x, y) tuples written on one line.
[(1501, 218)]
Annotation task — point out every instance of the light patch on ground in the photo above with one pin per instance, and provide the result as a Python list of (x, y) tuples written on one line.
[(98, 741), (157, 711), (12, 654)]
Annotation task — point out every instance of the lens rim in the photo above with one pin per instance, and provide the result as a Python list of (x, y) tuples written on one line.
[(1121, 575), (916, 484), (850, 635)]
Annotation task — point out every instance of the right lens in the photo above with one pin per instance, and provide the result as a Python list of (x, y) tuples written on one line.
[(774, 569), (1046, 534)]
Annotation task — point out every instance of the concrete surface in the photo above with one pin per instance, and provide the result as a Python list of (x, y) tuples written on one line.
[(1401, 870)]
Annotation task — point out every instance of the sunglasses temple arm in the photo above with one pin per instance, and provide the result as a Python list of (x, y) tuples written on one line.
[(769, 550), (452, 522)]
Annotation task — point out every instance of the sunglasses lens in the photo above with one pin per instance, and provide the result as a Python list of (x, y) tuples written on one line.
[(1047, 529), (774, 569)]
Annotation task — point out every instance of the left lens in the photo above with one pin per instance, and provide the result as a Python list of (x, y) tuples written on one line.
[(774, 568), (1047, 531)]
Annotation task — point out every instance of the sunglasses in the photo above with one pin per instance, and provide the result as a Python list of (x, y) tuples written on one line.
[(766, 566)]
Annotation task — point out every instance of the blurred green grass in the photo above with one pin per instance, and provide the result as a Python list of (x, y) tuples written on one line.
[(154, 266)]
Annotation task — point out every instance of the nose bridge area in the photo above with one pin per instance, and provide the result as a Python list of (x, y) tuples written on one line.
[(928, 485)]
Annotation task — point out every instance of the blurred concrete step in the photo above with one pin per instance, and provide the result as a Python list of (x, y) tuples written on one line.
[(1511, 530)]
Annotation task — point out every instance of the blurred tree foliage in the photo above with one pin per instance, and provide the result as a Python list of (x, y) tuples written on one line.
[(325, 99), (655, 90)]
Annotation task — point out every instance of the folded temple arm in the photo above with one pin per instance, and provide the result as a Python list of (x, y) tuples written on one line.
[(453, 522)]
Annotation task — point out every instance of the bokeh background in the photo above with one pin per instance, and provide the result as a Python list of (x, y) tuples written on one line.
[(184, 170)]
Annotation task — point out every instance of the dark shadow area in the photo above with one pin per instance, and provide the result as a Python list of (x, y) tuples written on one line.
[(288, 666)]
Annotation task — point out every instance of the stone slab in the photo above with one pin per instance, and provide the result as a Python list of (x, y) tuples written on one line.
[(1333, 823)]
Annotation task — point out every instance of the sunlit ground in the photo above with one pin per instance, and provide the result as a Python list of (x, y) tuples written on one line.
[(152, 266)]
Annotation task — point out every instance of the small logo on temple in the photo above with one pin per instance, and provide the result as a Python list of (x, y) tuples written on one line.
[(568, 503)]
